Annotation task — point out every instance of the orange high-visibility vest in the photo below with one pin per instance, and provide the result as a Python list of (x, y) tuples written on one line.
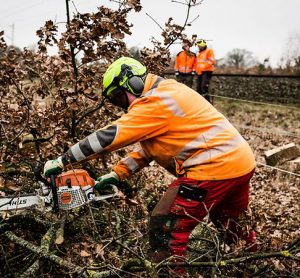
[(178, 129), (205, 61), (185, 62)]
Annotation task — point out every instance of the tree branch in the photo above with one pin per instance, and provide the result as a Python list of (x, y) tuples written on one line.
[(42, 253)]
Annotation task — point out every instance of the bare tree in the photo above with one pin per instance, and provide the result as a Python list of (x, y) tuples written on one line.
[(239, 58), (290, 59)]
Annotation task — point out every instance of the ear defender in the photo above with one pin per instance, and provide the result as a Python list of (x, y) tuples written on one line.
[(135, 85)]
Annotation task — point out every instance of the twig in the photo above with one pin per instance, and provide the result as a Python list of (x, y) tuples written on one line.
[(61, 231), (155, 22), (39, 251), (98, 106), (114, 239), (293, 244), (27, 110), (71, 46), (45, 246), (223, 263), (147, 264)]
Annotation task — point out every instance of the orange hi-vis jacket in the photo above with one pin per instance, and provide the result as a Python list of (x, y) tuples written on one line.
[(178, 129), (205, 61), (185, 62)]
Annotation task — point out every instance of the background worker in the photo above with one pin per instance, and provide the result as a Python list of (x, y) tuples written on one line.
[(204, 68), (183, 133), (185, 65)]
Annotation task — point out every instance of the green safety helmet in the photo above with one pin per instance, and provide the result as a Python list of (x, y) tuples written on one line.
[(201, 43), (124, 73)]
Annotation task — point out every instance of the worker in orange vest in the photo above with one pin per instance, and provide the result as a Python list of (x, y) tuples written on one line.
[(185, 134), (185, 65), (204, 68)]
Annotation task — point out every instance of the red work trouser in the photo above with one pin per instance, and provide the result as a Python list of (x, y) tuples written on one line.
[(171, 225)]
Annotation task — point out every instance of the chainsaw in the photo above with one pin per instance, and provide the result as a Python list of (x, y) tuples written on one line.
[(66, 191)]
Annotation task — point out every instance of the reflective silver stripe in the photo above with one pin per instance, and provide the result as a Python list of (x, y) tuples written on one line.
[(185, 68), (94, 142), (130, 163), (77, 153), (171, 104), (168, 101), (149, 93), (202, 139), (210, 154), (156, 83), (144, 155)]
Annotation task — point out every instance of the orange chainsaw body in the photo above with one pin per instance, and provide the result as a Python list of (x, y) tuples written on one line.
[(75, 177)]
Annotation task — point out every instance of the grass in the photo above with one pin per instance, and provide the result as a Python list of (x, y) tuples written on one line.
[(280, 120)]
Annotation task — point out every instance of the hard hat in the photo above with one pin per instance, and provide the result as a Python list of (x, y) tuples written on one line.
[(201, 43), (124, 73)]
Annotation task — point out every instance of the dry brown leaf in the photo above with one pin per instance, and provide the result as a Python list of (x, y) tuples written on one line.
[(2, 169), (99, 250), (2, 182), (84, 253), (13, 187), (59, 240)]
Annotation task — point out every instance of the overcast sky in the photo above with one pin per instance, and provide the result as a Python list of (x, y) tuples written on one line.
[(260, 26)]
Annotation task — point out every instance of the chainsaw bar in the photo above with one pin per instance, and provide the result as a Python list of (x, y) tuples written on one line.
[(19, 202)]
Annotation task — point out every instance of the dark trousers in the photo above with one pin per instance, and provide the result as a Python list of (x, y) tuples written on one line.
[(186, 79), (203, 83)]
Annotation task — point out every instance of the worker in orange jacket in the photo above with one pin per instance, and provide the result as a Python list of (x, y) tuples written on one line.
[(185, 134), (204, 68), (185, 65)]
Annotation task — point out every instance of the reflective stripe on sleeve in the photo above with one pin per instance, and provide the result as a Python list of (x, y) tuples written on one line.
[(93, 144), (130, 163), (202, 139), (210, 154), (77, 153)]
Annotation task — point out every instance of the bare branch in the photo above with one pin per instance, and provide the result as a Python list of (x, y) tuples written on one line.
[(155, 22)]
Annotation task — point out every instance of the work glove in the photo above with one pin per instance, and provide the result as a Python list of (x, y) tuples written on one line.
[(107, 180), (53, 167)]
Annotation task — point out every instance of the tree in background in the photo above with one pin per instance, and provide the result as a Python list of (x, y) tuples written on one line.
[(135, 52), (239, 59), (290, 60)]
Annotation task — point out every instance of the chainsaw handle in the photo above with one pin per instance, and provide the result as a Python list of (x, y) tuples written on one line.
[(54, 193), (37, 173), (108, 196)]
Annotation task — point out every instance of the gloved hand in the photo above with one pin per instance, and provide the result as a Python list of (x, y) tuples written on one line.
[(109, 179), (53, 167), (176, 73), (193, 73)]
